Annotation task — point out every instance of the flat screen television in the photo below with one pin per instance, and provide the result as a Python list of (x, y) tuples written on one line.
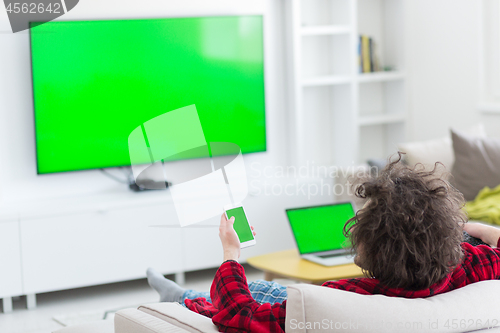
[(94, 82)]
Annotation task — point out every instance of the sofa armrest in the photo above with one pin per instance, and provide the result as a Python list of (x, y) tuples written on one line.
[(179, 316), (135, 321)]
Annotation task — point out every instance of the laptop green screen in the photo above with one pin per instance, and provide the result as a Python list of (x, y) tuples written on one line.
[(319, 228)]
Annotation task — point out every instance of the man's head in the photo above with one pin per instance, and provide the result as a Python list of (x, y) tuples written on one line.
[(408, 234)]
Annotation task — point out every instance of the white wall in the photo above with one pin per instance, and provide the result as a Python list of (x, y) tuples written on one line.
[(442, 64), (17, 142), (443, 67)]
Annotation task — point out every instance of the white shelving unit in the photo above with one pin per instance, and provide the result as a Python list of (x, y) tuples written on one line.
[(341, 116)]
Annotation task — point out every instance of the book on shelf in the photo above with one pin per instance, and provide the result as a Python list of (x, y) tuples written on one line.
[(360, 54), (367, 55)]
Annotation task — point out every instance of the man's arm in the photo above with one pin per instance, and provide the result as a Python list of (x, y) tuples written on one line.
[(237, 311), (489, 235), (483, 263)]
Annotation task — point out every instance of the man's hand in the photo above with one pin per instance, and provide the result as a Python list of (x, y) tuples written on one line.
[(487, 234), (229, 238)]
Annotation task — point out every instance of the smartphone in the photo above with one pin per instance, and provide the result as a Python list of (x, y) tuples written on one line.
[(241, 224)]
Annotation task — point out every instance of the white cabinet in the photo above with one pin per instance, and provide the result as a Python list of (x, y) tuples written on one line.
[(10, 262), (201, 247), (64, 252), (10, 259)]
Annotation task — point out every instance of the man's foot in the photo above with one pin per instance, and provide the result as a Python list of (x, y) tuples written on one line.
[(169, 290)]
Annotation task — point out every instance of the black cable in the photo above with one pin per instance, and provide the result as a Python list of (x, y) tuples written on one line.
[(127, 171), (115, 178)]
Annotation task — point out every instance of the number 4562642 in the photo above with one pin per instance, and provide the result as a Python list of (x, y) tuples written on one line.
[(33, 8)]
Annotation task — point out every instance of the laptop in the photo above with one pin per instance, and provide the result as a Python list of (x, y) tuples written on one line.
[(318, 232)]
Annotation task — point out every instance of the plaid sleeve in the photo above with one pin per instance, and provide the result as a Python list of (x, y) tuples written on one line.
[(201, 306), (237, 311), (481, 262)]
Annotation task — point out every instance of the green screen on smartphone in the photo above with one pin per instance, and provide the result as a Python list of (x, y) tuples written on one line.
[(241, 225), (318, 229)]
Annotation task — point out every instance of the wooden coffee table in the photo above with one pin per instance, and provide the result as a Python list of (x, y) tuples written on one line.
[(289, 264)]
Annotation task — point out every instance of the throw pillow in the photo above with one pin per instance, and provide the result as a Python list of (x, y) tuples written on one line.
[(477, 163), (438, 150)]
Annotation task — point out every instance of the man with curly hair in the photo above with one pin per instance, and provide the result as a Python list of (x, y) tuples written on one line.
[(407, 239)]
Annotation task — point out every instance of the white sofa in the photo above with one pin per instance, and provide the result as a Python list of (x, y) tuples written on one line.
[(315, 309)]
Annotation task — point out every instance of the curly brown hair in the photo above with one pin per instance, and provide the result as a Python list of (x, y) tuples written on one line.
[(408, 234)]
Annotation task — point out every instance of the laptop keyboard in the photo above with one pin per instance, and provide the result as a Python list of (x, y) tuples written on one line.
[(324, 256)]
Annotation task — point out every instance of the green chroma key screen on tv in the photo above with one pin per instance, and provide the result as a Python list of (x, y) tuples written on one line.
[(94, 82)]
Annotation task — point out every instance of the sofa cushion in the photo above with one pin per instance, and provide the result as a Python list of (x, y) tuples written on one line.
[(177, 315), (314, 309), (428, 152), (477, 163), (438, 150)]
